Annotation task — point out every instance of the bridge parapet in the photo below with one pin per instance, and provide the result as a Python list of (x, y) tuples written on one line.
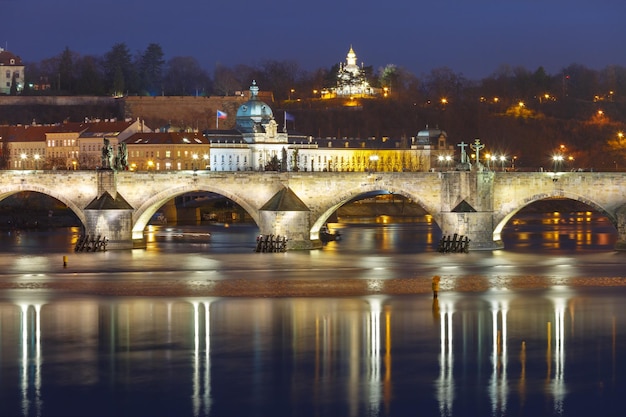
[(473, 204)]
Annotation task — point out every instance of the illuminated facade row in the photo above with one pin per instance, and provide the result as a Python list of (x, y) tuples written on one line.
[(255, 144)]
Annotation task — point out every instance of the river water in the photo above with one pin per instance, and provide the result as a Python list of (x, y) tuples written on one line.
[(197, 324)]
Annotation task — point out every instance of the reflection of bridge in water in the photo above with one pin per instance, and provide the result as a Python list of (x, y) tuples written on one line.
[(119, 205), (356, 338)]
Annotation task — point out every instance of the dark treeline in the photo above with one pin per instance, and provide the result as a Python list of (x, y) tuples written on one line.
[(529, 114)]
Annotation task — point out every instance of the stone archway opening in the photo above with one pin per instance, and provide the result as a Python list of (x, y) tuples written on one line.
[(558, 224), (39, 215), (199, 219), (382, 216)]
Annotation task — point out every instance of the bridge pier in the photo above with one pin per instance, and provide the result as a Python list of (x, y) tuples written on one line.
[(295, 225), (620, 244), (476, 226), (467, 207), (109, 216)]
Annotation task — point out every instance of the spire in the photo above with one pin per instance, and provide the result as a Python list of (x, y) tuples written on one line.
[(254, 90)]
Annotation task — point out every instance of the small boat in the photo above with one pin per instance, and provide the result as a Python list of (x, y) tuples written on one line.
[(327, 236)]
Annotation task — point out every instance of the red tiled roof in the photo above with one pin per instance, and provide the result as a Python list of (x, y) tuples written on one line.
[(6, 57)]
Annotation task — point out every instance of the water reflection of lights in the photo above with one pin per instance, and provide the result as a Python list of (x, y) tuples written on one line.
[(31, 368), (557, 382), (201, 396), (499, 385), (373, 331), (445, 382)]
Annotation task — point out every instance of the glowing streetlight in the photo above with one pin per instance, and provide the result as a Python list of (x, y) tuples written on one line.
[(194, 157), (205, 157), (150, 165), (23, 158), (558, 160), (36, 158), (502, 161)]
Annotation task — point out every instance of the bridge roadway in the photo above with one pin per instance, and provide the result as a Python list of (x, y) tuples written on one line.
[(118, 205)]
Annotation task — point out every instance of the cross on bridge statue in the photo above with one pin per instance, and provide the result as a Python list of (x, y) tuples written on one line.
[(477, 147), (465, 164)]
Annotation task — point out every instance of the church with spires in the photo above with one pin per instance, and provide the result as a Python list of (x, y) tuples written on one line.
[(351, 81)]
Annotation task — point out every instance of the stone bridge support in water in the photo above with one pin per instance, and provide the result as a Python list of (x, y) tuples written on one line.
[(476, 204)]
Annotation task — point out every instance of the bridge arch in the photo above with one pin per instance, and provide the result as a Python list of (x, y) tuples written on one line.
[(321, 215), (144, 213), (7, 191), (502, 218)]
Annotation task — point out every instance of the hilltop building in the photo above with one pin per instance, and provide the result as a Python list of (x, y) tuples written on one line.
[(351, 81), (11, 73)]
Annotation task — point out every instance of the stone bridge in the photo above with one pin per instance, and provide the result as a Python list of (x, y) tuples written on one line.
[(119, 205)]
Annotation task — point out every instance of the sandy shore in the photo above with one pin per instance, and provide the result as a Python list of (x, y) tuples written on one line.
[(296, 287)]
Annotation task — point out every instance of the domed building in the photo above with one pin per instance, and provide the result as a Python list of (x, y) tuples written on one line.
[(253, 115), (256, 142), (256, 145)]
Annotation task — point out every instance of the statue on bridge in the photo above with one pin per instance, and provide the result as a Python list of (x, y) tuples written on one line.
[(465, 164), (121, 159), (477, 147), (107, 155)]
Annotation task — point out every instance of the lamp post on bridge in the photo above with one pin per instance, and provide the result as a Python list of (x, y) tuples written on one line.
[(558, 160), (23, 158)]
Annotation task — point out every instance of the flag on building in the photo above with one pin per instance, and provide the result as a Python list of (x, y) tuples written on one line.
[(221, 115), (288, 117)]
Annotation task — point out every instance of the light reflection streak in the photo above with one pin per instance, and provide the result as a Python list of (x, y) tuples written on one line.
[(445, 382), (498, 386), (373, 348), (201, 396), (558, 383), (31, 367)]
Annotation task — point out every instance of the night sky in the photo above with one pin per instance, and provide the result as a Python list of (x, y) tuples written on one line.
[(471, 37)]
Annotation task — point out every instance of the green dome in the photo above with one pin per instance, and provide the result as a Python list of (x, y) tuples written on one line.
[(253, 113)]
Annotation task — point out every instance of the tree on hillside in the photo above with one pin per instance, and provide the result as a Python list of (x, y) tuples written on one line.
[(580, 82), (90, 78), (185, 77), (150, 67), (280, 77), (444, 83), (227, 80), (66, 70), (119, 70)]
